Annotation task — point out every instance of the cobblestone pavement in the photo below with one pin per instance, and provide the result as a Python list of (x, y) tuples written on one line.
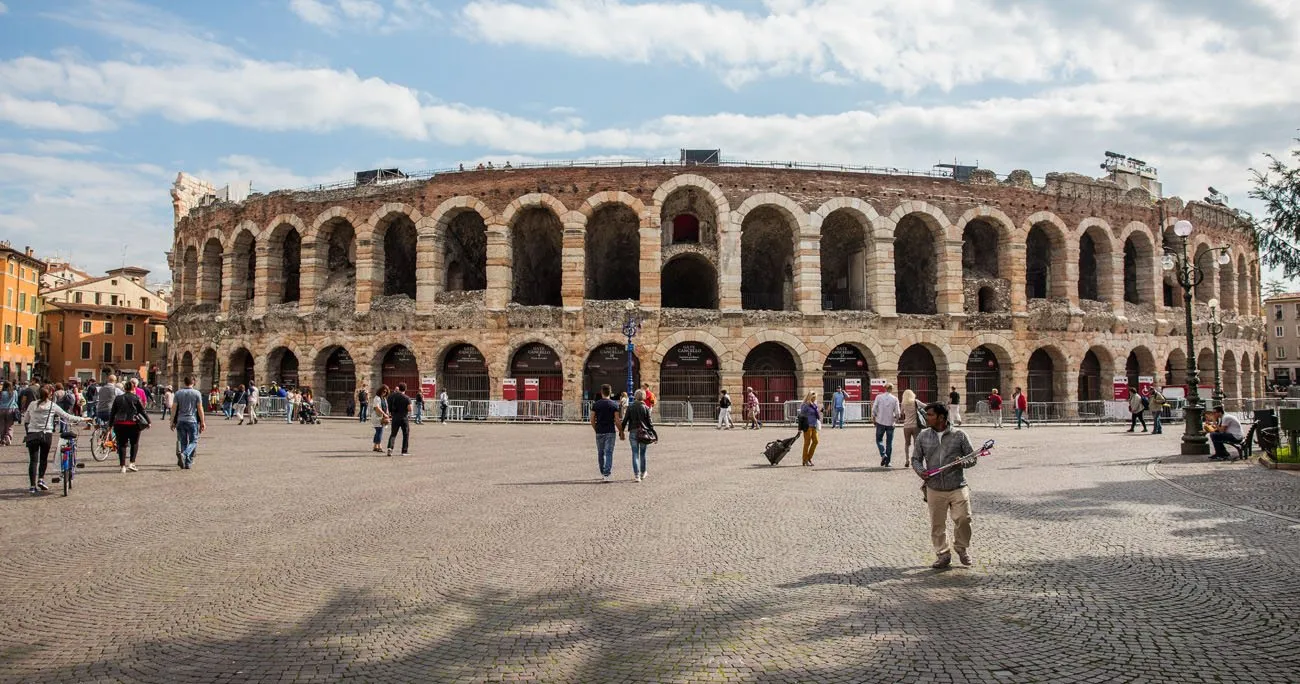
[(292, 553)]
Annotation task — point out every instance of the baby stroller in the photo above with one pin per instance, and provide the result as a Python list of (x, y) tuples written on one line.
[(307, 413), (778, 448)]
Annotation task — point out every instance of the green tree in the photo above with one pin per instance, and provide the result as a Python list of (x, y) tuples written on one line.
[(1278, 234), (1274, 288)]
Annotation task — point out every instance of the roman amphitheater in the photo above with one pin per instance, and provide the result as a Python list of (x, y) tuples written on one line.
[(783, 278)]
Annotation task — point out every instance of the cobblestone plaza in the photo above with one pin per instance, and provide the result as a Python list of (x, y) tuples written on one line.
[(292, 553)]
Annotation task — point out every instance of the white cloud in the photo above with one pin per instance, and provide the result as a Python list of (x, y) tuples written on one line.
[(3, 9), (61, 147), (366, 15), (265, 175), (49, 115)]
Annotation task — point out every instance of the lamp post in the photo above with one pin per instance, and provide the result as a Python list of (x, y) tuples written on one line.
[(631, 326), (1215, 328), (1189, 274)]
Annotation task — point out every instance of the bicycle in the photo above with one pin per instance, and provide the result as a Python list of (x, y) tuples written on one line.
[(68, 463), (102, 442)]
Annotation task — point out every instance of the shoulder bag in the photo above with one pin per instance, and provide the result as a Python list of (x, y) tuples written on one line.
[(644, 435), (41, 436)]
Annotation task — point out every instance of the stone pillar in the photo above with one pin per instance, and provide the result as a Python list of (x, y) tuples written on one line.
[(573, 284), (428, 281), (1072, 392), (651, 262), (733, 380), (728, 263), (262, 278), (311, 278), (499, 273), (1017, 276), (880, 278), (1112, 289), (227, 280), (949, 297), (810, 380), (262, 368), (808, 275), (1067, 270), (367, 268)]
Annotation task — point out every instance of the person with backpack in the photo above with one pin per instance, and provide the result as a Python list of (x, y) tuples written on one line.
[(724, 411), (1137, 407), (129, 418), (1158, 403), (363, 405), (639, 430)]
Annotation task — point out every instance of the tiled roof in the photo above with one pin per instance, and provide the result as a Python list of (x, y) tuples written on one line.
[(100, 308)]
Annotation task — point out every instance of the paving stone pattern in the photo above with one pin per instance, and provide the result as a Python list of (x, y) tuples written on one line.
[(292, 553)]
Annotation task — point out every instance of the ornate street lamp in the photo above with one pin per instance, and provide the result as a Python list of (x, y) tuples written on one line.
[(1190, 274), (1215, 328), (631, 326)]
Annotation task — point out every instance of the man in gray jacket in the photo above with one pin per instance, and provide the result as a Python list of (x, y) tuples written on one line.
[(946, 493)]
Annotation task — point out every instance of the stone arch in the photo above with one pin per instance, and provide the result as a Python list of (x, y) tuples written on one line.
[(1139, 362), (920, 267), (458, 229), (1204, 259), (334, 367), (1047, 371), (689, 281), (600, 199), (536, 338), (871, 350), (1096, 261), (1243, 286), (283, 365), (283, 261), (530, 201), (536, 238), (189, 274), (804, 358), (612, 244), (1175, 370), (923, 368), (1096, 373), (243, 264), (334, 243), (332, 214), (770, 226), (686, 180), (1139, 265), (1230, 379), (719, 347), (210, 273), (394, 246), (847, 253), (680, 207), (396, 361), (1047, 256), (1227, 285), (463, 371), (240, 366)]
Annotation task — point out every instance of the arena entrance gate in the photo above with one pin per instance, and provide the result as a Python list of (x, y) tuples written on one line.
[(689, 373), (465, 374), (399, 366), (540, 362), (983, 375), (340, 382), (607, 365), (917, 372), (770, 370)]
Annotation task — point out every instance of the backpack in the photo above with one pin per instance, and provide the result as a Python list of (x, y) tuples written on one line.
[(1146, 403)]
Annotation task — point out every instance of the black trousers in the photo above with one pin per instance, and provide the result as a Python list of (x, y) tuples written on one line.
[(38, 459), (126, 435), (1140, 415), (404, 425)]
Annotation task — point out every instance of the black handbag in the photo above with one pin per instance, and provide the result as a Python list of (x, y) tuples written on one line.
[(39, 436)]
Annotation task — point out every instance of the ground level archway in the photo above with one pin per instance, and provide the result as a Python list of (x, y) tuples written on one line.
[(283, 367), (240, 371), (607, 365), (846, 365), (465, 374), (770, 369), (917, 371), (400, 367), (983, 375), (340, 373), (689, 373), (538, 362)]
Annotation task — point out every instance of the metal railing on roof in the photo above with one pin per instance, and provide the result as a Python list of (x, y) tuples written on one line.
[(642, 163)]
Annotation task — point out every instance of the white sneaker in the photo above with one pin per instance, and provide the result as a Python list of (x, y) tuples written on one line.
[(123, 470), (132, 468), (643, 475), (638, 478), (607, 478)]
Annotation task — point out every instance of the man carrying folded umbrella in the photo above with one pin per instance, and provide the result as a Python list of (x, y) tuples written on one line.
[(939, 445)]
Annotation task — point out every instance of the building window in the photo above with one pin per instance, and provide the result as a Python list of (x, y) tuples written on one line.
[(108, 351), (153, 340), (22, 301), (1281, 352), (11, 268), (98, 298), (31, 337), (1277, 332), (113, 281), (144, 302), (1297, 308), (108, 328), (85, 327), (9, 297), (33, 304), (128, 352), (85, 350), (60, 325), (130, 330), (112, 299), (9, 334), (76, 297)]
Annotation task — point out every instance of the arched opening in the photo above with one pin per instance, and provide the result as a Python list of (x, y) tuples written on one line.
[(770, 369), (1140, 364), (464, 254), (767, 260), (1227, 287), (538, 362), (245, 269), (844, 261), (979, 251), (983, 375), (987, 300), (1088, 276), (211, 274), (291, 266), (686, 228), (537, 245), (614, 253), (689, 281), (190, 277), (689, 373), (208, 370), (340, 373), (465, 374), (846, 365), (283, 365), (1137, 270), (1038, 263), (916, 267), (398, 257), (1042, 373), (918, 372), (336, 251), (1230, 388), (1205, 289), (1205, 370), (240, 368), (1176, 369), (1243, 289), (691, 216), (1090, 379), (607, 365), (186, 367), (399, 366)]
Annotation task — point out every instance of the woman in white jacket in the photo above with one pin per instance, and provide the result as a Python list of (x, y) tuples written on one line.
[(41, 420)]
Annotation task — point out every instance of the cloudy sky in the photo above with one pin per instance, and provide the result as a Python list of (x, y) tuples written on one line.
[(102, 102)]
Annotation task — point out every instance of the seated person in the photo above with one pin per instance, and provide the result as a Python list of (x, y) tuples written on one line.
[(1228, 432)]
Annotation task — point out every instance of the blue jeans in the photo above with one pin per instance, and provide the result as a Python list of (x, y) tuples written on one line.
[(837, 417), (1218, 439), (885, 441), (638, 455), (605, 452), (187, 435), (379, 434), (419, 414), (288, 412), (363, 414), (1155, 427), (1020, 418)]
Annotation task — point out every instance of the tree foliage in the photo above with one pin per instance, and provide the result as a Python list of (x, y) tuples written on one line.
[(1278, 233), (1274, 288)]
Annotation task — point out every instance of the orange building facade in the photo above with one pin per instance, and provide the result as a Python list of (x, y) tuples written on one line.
[(90, 342), (19, 312)]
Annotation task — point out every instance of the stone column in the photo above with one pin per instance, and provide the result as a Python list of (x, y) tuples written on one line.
[(262, 368), (1067, 271), (651, 262), (808, 274), (428, 281), (310, 279), (1112, 289), (499, 273), (880, 278), (728, 263), (1017, 276), (262, 278), (367, 270), (573, 284), (1072, 392), (950, 298), (227, 280)]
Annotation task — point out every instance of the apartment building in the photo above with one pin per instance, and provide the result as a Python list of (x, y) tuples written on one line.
[(1283, 316), (113, 324), (19, 312)]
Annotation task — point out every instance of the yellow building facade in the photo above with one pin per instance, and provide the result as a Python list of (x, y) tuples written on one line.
[(19, 310)]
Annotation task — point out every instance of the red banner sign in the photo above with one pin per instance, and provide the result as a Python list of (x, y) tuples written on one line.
[(509, 389)]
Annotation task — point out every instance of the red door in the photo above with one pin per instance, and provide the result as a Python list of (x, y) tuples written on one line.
[(773, 390)]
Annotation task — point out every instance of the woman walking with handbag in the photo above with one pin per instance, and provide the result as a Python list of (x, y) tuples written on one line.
[(8, 413), (379, 416), (129, 418), (637, 420), (41, 419), (810, 424)]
